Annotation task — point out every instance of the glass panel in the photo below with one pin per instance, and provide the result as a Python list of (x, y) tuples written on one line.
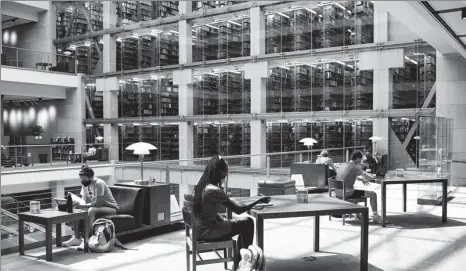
[(221, 92)]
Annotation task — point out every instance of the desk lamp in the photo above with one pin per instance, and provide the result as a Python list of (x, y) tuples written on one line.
[(141, 149), (309, 142), (374, 140)]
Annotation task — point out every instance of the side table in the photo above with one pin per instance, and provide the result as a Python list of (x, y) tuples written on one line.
[(48, 218)]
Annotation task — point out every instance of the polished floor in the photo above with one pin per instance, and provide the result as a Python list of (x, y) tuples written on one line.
[(414, 241)]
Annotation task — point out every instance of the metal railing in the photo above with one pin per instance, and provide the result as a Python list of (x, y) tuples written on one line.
[(35, 60), (52, 154)]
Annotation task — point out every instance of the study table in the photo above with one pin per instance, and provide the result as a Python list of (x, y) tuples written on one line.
[(319, 205), (411, 179)]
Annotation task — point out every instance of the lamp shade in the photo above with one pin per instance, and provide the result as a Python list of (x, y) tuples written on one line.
[(99, 138), (308, 141), (141, 152), (141, 146), (376, 138)]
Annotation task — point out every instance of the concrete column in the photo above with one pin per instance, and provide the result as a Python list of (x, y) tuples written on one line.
[(258, 73), (380, 24), (257, 31), (184, 80), (109, 87), (381, 62), (109, 49), (185, 41), (71, 115), (185, 7), (451, 104)]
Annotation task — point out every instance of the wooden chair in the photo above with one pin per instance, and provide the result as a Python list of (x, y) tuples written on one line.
[(194, 247), (334, 184)]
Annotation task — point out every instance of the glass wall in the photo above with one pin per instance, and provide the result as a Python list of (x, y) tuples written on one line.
[(221, 92), (332, 85), (327, 24), (413, 83), (223, 138), (340, 137), (163, 136)]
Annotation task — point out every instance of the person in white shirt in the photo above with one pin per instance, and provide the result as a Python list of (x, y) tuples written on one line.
[(324, 159), (92, 151), (97, 199)]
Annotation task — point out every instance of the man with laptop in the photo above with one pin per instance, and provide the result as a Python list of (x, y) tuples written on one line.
[(97, 200), (351, 171)]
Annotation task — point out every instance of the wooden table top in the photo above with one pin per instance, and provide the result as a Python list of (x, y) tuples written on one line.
[(53, 215), (410, 178), (287, 206)]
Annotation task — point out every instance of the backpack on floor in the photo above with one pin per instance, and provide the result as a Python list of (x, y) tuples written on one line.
[(103, 237), (252, 259)]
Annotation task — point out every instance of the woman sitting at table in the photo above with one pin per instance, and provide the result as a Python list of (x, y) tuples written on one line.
[(208, 195)]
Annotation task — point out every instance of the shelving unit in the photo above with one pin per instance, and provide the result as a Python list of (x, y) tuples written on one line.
[(97, 101)]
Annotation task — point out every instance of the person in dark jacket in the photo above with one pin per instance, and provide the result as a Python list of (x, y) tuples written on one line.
[(208, 196), (371, 160)]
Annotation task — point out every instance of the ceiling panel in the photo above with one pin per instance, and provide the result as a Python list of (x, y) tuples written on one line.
[(463, 39), (442, 5), (453, 19)]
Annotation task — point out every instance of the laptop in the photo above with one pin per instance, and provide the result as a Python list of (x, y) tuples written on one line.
[(60, 201)]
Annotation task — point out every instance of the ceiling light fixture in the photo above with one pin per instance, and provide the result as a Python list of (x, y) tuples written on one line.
[(463, 14)]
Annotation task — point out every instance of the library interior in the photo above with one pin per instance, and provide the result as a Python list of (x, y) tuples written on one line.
[(125, 124)]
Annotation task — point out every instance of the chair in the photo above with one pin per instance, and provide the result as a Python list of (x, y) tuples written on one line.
[(334, 184), (195, 247)]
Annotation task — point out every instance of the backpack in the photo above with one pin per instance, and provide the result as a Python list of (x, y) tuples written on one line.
[(103, 237), (252, 259)]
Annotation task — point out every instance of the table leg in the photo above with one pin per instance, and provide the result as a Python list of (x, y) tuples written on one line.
[(260, 232), (58, 234), (21, 236), (384, 204), (48, 242), (365, 241), (316, 233), (444, 200), (404, 197), (86, 234)]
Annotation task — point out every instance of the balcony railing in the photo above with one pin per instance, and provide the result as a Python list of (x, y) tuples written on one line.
[(35, 60), (33, 156)]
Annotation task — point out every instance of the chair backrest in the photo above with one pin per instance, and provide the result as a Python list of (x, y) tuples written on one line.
[(336, 184), (312, 173), (130, 200), (190, 224)]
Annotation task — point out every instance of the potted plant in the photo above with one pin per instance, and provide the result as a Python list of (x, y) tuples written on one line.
[(37, 131)]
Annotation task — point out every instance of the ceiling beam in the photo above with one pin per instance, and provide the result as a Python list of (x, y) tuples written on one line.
[(448, 10)]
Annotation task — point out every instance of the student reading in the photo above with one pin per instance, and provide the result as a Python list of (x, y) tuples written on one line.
[(208, 195), (97, 200)]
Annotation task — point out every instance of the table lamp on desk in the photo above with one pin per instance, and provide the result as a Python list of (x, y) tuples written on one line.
[(141, 149), (309, 142)]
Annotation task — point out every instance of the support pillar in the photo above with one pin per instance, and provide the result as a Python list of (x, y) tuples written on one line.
[(109, 87), (451, 104), (258, 73), (381, 62), (72, 114), (380, 23), (184, 80)]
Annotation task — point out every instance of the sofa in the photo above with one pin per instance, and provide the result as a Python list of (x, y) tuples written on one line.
[(130, 201)]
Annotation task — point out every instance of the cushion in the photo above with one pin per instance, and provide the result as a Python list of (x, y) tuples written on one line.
[(122, 222), (279, 183)]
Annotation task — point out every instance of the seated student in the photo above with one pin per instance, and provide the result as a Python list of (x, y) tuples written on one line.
[(324, 159), (371, 160), (98, 199), (349, 172), (208, 196)]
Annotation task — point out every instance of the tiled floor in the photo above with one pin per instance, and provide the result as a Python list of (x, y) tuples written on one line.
[(416, 241)]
